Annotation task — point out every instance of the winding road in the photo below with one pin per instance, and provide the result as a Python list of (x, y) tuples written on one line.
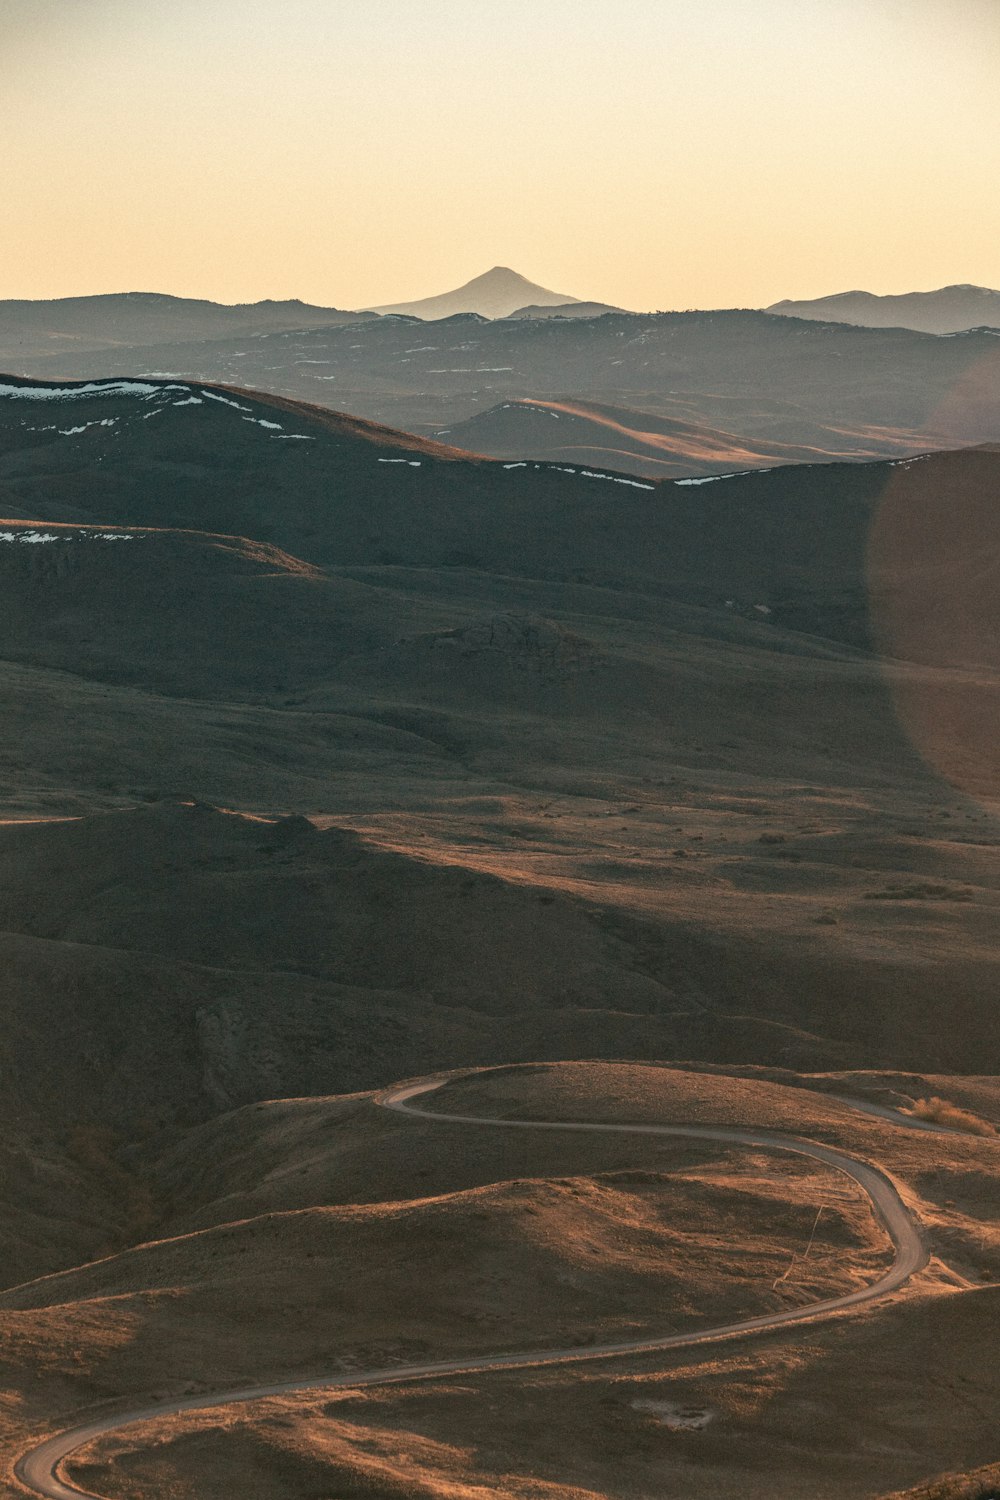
[(38, 1470)]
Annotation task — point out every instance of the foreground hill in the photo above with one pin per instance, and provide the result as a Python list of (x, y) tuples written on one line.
[(839, 390), (284, 1240), (951, 309), (803, 547), (338, 755)]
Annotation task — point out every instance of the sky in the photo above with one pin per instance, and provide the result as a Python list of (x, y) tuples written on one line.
[(649, 153)]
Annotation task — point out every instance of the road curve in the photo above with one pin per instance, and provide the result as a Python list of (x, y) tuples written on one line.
[(38, 1469)]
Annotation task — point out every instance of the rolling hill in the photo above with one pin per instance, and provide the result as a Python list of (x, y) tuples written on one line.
[(587, 432)]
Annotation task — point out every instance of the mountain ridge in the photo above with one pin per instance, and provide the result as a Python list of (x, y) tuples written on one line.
[(109, 320), (958, 308)]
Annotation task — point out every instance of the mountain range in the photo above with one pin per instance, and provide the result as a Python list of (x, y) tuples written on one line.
[(950, 309), (766, 382)]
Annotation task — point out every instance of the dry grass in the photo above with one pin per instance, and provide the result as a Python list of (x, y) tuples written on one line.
[(984, 1484), (941, 1112)]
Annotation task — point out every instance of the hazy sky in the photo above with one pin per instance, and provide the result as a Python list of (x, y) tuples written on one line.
[(655, 153)]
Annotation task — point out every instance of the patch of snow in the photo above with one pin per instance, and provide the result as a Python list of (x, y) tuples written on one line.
[(714, 478), (80, 392), (636, 484), (295, 437), (191, 401), (521, 465), (214, 396), (414, 463), (67, 535), (260, 422)]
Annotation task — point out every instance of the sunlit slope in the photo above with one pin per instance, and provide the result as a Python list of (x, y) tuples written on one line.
[(569, 430)]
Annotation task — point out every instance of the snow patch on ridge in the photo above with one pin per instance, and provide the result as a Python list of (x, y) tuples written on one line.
[(636, 484), (94, 388), (714, 478), (226, 401), (33, 537)]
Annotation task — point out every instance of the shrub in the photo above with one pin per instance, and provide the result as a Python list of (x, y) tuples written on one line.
[(941, 1112)]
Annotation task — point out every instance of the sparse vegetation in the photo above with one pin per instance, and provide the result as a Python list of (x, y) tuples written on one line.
[(920, 890), (982, 1485), (942, 1112)]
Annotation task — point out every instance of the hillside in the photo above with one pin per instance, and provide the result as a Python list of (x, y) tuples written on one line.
[(790, 545), (586, 432), (951, 309), (287, 1236)]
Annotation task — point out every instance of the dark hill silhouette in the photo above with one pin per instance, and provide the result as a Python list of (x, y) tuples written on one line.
[(567, 310), (334, 491)]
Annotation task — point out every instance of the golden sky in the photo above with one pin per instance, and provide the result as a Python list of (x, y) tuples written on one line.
[(652, 153)]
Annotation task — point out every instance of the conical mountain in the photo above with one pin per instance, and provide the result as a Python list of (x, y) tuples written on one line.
[(495, 294)]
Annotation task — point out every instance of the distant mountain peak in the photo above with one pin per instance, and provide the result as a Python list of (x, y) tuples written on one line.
[(496, 293)]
